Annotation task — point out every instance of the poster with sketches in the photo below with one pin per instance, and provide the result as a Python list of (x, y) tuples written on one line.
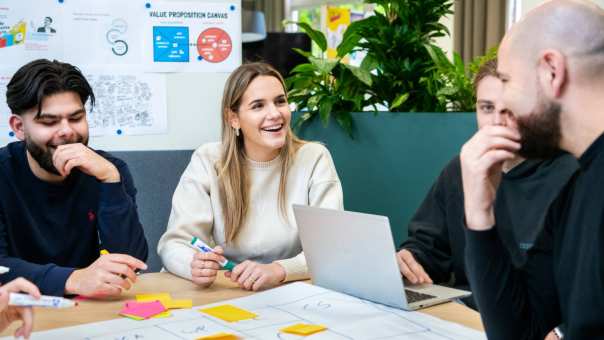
[(127, 103), (192, 37)]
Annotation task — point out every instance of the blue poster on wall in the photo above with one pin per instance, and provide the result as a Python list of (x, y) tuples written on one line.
[(171, 44)]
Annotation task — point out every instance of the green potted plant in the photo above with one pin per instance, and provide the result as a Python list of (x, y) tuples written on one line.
[(327, 88), (395, 41), (393, 159)]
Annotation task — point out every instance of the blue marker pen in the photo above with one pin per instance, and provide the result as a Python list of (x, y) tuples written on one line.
[(199, 244)]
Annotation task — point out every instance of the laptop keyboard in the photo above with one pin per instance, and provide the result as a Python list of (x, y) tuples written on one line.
[(415, 296)]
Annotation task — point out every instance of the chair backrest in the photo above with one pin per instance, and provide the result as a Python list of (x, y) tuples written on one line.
[(156, 174)]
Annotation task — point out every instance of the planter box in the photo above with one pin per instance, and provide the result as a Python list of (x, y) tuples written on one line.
[(394, 159)]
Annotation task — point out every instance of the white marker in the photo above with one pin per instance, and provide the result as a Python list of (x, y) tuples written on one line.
[(199, 244), (24, 300), (4, 270)]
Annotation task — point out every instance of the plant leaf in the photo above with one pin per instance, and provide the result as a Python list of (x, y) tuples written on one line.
[(303, 68), (317, 36), (361, 74), (369, 63), (400, 99), (348, 44), (344, 119), (302, 52), (325, 107), (323, 65)]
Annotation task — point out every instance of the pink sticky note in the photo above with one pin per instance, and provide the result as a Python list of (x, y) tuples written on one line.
[(144, 310)]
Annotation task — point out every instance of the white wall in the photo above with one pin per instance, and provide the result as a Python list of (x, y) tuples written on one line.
[(446, 42)]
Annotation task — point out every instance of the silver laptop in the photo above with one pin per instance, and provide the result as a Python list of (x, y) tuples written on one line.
[(354, 253)]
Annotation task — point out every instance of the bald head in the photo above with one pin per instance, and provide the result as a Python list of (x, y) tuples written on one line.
[(575, 28)]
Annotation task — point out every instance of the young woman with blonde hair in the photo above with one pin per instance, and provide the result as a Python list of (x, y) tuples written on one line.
[(237, 195)]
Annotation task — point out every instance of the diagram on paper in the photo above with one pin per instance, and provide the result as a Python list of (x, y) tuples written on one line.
[(346, 317), (192, 37), (127, 103)]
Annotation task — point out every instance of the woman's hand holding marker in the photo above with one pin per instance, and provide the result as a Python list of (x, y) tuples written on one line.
[(206, 264)]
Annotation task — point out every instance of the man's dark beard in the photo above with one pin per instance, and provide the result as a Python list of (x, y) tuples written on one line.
[(44, 156), (540, 131)]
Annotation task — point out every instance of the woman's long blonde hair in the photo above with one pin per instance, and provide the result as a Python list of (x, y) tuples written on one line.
[(233, 176)]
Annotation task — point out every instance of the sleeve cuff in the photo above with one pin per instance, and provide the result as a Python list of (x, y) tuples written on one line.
[(55, 280), (295, 268), (176, 259), (112, 194), (481, 241)]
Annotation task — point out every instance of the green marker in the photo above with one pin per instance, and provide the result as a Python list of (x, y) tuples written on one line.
[(199, 244)]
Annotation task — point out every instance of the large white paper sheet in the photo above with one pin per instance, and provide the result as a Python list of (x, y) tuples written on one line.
[(103, 32), (127, 103), (346, 318), (192, 36)]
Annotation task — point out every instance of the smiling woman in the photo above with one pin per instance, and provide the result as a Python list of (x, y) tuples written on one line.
[(238, 194)]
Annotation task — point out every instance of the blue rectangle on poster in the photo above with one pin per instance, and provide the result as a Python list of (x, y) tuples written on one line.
[(171, 44)]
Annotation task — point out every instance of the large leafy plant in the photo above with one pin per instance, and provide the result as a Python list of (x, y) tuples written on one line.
[(456, 91), (396, 41), (327, 88)]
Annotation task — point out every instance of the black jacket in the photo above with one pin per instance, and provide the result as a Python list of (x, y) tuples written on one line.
[(436, 231)]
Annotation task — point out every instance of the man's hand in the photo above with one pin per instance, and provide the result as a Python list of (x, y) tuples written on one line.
[(78, 155), (9, 314), (205, 266), (411, 269), (255, 276), (107, 276), (482, 158)]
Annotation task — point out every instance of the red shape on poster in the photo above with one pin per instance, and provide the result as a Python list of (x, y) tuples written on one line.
[(214, 45)]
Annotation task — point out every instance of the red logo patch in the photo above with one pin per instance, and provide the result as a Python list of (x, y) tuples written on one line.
[(91, 216)]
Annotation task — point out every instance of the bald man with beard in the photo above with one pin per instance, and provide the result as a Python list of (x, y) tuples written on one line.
[(552, 67)]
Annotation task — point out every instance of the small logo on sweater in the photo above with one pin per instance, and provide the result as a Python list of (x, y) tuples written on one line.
[(91, 216)]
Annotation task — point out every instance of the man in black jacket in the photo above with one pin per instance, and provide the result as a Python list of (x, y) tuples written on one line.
[(434, 250), (552, 67)]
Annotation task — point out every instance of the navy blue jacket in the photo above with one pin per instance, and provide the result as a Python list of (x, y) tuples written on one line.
[(47, 230)]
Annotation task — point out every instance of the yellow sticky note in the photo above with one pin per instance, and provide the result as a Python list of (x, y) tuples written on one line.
[(138, 318), (162, 315), (173, 304), (219, 336), (303, 329), (164, 298), (228, 313)]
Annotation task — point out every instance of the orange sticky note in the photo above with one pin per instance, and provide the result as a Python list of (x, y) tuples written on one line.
[(229, 313), (303, 329), (219, 336)]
